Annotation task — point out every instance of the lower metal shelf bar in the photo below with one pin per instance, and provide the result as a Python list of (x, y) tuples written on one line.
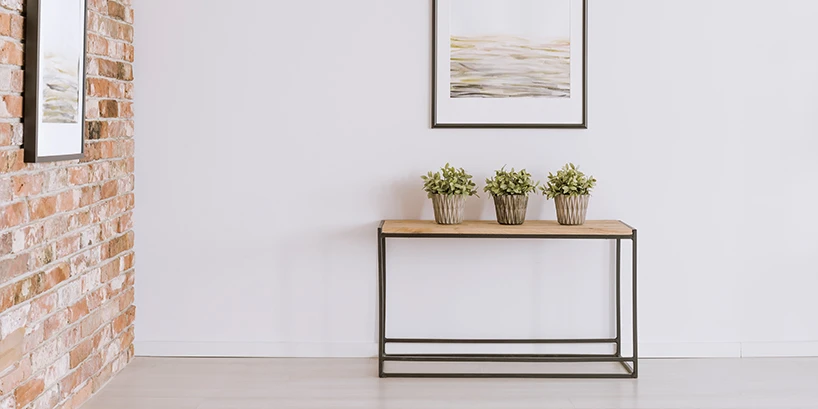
[(498, 341), (502, 358), (510, 375), (511, 355)]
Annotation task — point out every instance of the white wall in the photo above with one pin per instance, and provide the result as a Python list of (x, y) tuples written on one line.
[(274, 135)]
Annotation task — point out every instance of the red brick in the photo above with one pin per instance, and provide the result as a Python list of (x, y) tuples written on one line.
[(42, 207), (128, 53), (91, 323), (13, 267), (99, 5), (11, 52), (6, 242), (78, 311), (17, 81), (70, 382), (78, 175), (124, 320), (108, 68), (17, 5), (117, 10), (127, 299), (12, 106), (125, 72), (27, 185), (13, 215), (28, 288), (126, 109), (81, 352), (68, 245), (89, 195), (109, 189), (109, 271), (7, 295), (34, 339), (56, 275), (5, 24), (82, 395), (6, 134), (98, 87), (127, 339), (6, 191), (40, 257), (65, 201), (55, 226), (11, 161), (124, 223), (26, 393), (42, 307), (11, 348), (108, 109), (97, 44), (55, 323), (119, 245), (17, 27), (10, 380), (128, 262), (128, 93)]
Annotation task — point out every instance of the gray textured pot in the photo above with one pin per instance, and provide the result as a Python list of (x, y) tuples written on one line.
[(511, 209), (571, 209), (449, 209)]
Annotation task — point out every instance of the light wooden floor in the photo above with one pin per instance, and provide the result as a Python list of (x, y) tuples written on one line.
[(179, 383)]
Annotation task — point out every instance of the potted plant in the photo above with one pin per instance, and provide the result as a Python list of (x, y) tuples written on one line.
[(448, 190), (510, 192), (571, 190)]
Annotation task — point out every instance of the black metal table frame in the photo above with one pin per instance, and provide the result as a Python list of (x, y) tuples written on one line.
[(632, 369)]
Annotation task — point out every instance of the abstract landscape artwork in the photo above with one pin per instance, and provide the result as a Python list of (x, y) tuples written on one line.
[(506, 57), (509, 63), (61, 97), (61, 47), (55, 92), (510, 67)]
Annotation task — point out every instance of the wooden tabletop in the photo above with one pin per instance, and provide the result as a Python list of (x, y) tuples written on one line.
[(491, 227)]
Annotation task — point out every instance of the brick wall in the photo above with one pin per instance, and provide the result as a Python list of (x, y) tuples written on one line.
[(66, 258)]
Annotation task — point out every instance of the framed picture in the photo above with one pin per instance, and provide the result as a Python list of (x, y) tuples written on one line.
[(54, 117), (509, 64)]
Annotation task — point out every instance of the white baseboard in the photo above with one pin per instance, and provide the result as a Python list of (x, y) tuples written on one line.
[(779, 349), (256, 349), (369, 350), (728, 350), (689, 350)]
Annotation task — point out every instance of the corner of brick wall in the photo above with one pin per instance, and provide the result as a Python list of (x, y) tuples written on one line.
[(66, 239)]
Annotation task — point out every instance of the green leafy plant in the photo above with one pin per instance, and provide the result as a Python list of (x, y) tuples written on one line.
[(449, 181), (568, 181), (512, 183)]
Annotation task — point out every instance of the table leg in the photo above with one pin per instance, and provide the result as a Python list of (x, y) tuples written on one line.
[(635, 332), (618, 297), (381, 302)]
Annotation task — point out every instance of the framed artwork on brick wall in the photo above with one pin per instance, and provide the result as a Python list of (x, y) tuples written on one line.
[(509, 64), (54, 105)]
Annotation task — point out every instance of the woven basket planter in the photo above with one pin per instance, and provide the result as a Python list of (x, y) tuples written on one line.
[(571, 209), (511, 209), (449, 209)]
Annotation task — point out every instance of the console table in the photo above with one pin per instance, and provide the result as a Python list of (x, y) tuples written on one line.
[(533, 229)]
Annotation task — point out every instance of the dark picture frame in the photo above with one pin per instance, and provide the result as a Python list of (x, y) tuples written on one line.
[(33, 97), (435, 123)]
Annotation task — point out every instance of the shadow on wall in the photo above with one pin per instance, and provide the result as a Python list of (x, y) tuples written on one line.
[(404, 200), (407, 200)]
